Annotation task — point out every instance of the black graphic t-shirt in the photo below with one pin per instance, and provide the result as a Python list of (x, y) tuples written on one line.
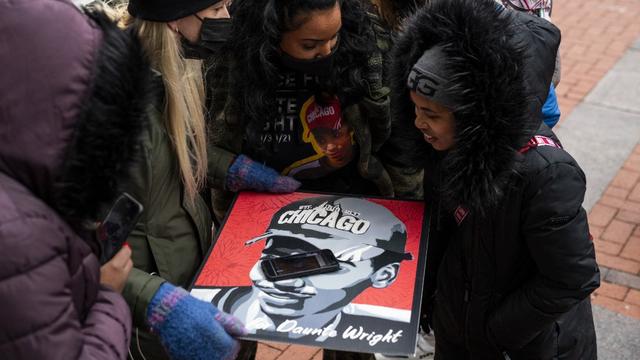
[(308, 139)]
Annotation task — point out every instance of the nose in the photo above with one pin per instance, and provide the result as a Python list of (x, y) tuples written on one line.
[(224, 12), (331, 146), (324, 50), (289, 284), (420, 123)]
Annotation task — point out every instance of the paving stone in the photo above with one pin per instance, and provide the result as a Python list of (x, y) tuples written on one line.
[(295, 352), (619, 277), (596, 231), (631, 205), (601, 215), (611, 201), (626, 179), (614, 291), (617, 231), (267, 352), (618, 263), (633, 162), (632, 217), (617, 192), (617, 306), (635, 193), (632, 249), (277, 345), (607, 247), (633, 297)]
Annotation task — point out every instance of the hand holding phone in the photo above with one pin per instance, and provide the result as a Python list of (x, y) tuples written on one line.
[(300, 265), (116, 271), (117, 225)]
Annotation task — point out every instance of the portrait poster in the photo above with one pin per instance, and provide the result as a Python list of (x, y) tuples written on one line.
[(370, 304)]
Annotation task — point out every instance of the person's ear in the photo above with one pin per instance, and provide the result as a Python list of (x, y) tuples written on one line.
[(385, 276)]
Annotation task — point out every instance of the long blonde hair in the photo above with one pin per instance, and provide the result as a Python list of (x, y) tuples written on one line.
[(184, 96)]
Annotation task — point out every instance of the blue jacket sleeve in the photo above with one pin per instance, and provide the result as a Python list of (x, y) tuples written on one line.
[(550, 109)]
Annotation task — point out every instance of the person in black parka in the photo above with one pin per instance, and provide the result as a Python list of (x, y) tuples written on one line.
[(511, 263)]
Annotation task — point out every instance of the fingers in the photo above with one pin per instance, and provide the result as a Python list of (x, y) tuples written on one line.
[(231, 324), (116, 271), (122, 257), (128, 266)]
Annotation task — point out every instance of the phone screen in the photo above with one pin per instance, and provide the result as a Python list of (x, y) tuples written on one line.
[(295, 265), (117, 225)]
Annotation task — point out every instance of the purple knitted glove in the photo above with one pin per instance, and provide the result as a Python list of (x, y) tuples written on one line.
[(190, 328), (246, 174)]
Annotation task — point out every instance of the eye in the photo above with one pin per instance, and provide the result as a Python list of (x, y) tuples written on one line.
[(432, 117), (308, 46), (427, 114)]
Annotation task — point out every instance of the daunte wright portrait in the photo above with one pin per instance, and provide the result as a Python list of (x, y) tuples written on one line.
[(371, 244)]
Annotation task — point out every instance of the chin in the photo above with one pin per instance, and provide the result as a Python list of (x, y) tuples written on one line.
[(440, 147), (338, 164), (279, 311)]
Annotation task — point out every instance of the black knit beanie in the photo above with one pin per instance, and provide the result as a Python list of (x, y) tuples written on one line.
[(431, 79), (166, 10)]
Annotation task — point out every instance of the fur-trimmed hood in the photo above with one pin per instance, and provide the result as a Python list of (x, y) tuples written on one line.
[(79, 88), (489, 53)]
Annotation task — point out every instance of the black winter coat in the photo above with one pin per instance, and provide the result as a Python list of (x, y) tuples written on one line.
[(518, 280), (514, 276)]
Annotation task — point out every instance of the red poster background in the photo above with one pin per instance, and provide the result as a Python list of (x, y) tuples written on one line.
[(230, 260)]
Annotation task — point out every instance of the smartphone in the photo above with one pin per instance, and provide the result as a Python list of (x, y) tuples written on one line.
[(117, 225), (300, 265)]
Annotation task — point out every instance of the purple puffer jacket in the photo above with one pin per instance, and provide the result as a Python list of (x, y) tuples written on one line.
[(70, 119)]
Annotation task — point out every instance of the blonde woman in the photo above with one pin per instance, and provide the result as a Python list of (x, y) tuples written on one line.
[(174, 233)]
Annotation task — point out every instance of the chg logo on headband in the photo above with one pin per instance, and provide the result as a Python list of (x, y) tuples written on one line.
[(423, 84)]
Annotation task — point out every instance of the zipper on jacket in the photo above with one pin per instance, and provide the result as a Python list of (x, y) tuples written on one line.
[(467, 312), (467, 271)]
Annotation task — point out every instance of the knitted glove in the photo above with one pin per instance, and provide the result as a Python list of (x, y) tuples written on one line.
[(246, 174), (190, 328)]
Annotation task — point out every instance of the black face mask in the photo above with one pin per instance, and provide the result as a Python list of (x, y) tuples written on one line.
[(213, 35), (318, 66)]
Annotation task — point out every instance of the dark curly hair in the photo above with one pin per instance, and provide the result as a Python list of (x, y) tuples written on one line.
[(394, 12), (254, 56)]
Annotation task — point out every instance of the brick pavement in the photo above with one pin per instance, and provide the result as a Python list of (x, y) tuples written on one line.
[(595, 35), (269, 351), (615, 225)]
